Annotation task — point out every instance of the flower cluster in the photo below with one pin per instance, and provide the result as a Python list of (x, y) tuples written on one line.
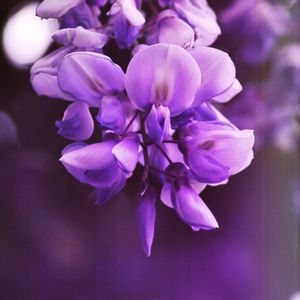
[(159, 113)]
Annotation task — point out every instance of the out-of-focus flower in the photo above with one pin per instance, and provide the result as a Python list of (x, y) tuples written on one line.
[(256, 26)]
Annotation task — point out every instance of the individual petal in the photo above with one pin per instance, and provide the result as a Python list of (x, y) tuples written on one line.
[(233, 148), (192, 210), (218, 72), (112, 114), (206, 168), (125, 33), (201, 17), (81, 15), (158, 124), (55, 8), (91, 157), (146, 214), (126, 153), (165, 194), (88, 76), (77, 123), (162, 74), (80, 37), (44, 74), (229, 93), (106, 177), (173, 30), (129, 10)]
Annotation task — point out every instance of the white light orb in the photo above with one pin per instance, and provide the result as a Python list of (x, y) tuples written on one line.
[(26, 37)]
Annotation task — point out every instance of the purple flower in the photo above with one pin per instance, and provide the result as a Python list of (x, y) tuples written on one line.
[(146, 215), (215, 150), (154, 83), (178, 193)]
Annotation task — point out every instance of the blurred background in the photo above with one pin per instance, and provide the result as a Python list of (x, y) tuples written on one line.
[(57, 244)]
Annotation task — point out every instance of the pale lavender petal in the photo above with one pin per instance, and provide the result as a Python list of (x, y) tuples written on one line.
[(80, 37), (55, 8), (162, 74), (91, 157), (44, 74), (129, 10), (192, 210), (231, 92), (173, 30), (165, 195), (233, 148), (146, 214), (88, 76), (201, 17), (126, 153), (77, 123), (217, 70)]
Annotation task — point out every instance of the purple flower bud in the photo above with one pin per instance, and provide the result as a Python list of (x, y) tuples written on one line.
[(157, 124), (191, 208), (146, 214)]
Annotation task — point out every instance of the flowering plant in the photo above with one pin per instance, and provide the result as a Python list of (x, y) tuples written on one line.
[(158, 112)]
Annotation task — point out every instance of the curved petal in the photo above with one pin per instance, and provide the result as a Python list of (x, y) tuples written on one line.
[(80, 37), (218, 72), (192, 210), (44, 74), (174, 31), (146, 215), (233, 148), (77, 123), (87, 76), (91, 157), (201, 17), (126, 153), (165, 195), (229, 93), (55, 8), (162, 74), (206, 167)]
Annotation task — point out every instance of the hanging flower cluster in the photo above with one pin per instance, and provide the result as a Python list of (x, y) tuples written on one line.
[(159, 113)]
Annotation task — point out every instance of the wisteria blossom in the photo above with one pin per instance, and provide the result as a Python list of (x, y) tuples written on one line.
[(157, 110)]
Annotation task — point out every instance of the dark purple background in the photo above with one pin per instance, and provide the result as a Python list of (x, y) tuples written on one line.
[(56, 244)]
